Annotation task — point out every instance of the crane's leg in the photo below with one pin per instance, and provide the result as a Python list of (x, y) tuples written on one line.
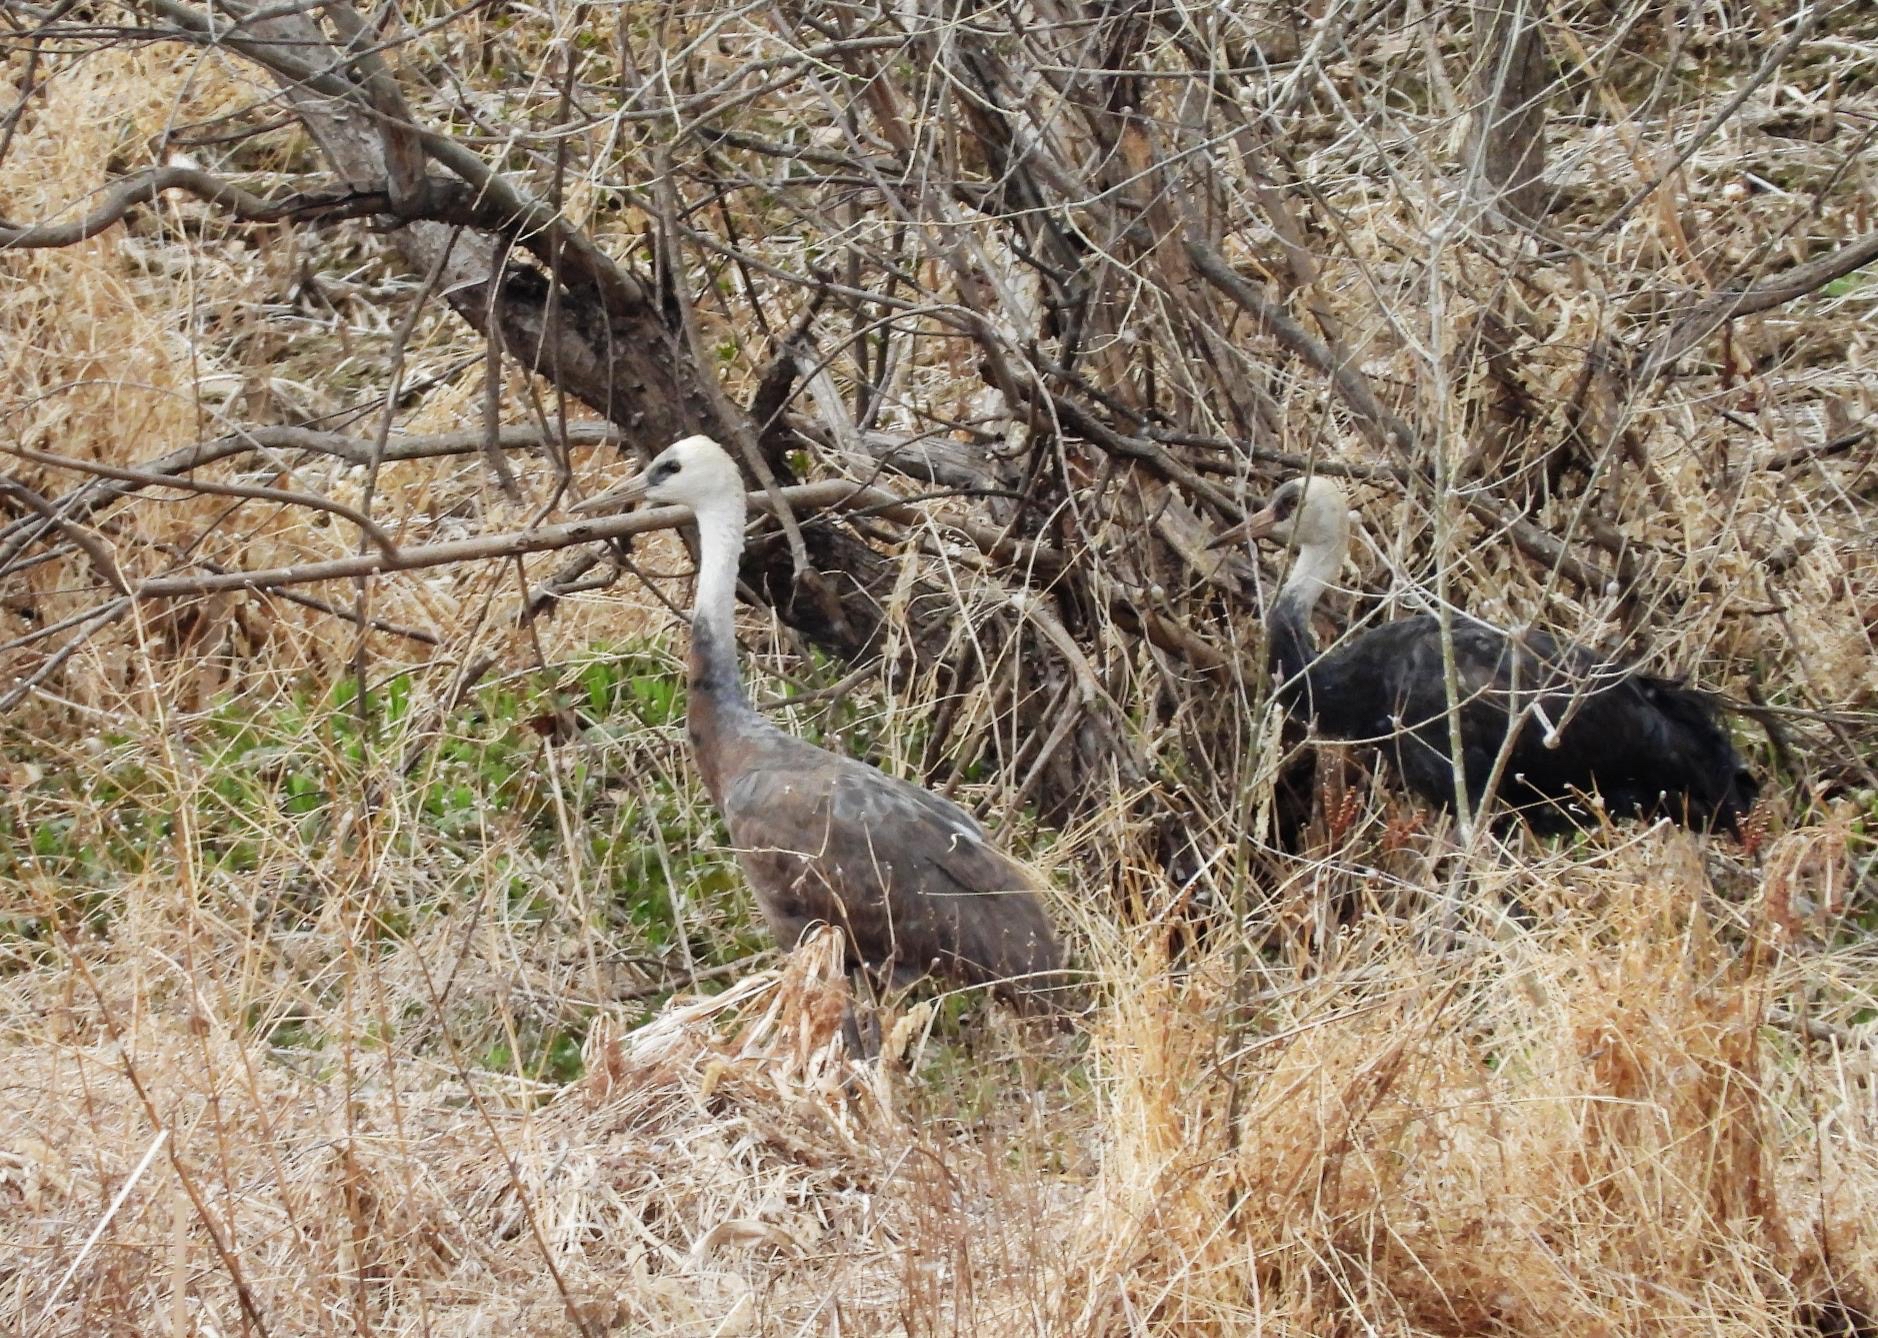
[(860, 1030)]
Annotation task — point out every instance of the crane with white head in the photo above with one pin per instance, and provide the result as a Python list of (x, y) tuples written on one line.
[(1579, 725), (907, 875)]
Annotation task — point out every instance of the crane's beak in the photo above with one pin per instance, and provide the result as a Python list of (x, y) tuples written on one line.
[(1255, 526), (616, 499)]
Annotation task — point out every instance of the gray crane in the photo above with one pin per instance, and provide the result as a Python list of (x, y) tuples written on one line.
[(908, 876)]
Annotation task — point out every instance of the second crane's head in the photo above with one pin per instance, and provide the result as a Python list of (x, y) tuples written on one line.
[(692, 471), (1306, 513)]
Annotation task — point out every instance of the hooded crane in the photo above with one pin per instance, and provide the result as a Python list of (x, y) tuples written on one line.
[(1644, 745), (909, 876)]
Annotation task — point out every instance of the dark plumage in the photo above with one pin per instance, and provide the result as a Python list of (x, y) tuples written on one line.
[(908, 875), (1583, 726)]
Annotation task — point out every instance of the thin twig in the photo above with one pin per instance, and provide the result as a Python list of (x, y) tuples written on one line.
[(92, 497), (101, 560), (313, 501)]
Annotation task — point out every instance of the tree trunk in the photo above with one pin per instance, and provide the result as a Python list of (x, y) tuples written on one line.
[(1506, 136)]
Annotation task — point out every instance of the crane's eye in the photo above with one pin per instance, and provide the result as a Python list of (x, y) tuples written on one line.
[(1284, 504), (663, 470)]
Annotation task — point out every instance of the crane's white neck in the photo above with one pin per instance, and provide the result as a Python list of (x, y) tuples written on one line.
[(714, 607), (1312, 570)]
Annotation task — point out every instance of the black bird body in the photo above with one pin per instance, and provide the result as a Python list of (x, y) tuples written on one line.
[(909, 876), (1580, 725), (1643, 745)]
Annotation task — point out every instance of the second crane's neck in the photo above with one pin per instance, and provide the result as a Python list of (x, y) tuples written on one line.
[(1312, 570), (713, 662)]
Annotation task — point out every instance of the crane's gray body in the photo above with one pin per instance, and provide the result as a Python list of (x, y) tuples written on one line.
[(908, 876)]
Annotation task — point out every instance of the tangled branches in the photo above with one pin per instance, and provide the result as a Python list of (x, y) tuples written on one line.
[(1103, 274)]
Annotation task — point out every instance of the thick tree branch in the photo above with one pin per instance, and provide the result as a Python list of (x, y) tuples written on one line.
[(306, 206), (1716, 310), (277, 42)]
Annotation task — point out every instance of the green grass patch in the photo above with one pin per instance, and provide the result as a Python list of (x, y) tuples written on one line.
[(240, 789)]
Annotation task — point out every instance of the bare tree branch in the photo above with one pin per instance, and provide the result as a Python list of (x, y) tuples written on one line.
[(305, 206), (101, 560), (1716, 310), (831, 493), (311, 500), (169, 470)]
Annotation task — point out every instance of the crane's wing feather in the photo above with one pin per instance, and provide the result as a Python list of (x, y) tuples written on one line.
[(908, 874), (1587, 724)]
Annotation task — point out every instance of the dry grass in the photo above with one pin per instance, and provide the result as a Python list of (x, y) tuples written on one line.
[(394, 1017), (1583, 1126), (1599, 1121)]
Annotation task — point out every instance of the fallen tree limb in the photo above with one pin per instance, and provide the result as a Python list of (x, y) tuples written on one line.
[(829, 493)]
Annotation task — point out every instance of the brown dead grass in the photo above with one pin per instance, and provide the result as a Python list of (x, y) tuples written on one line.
[(1575, 1129), (1591, 1124)]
